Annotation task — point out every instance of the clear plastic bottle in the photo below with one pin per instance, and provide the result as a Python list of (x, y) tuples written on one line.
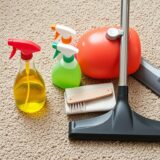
[(29, 87)]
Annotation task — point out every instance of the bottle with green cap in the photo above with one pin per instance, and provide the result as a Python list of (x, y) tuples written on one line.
[(66, 73)]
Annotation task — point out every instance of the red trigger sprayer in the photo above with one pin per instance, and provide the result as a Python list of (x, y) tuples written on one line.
[(29, 87)]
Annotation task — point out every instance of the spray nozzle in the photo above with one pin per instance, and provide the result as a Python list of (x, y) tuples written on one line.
[(27, 48), (66, 50), (66, 33)]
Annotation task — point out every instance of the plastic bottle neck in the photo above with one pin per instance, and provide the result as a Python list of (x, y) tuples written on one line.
[(71, 65), (68, 59), (29, 62)]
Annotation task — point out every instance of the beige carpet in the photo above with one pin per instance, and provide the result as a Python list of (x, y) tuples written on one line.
[(45, 135)]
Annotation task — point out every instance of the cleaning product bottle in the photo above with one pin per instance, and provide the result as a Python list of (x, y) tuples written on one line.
[(29, 87), (66, 33), (67, 72)]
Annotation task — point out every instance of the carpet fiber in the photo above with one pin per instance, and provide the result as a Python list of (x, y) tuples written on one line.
[(45, 135)]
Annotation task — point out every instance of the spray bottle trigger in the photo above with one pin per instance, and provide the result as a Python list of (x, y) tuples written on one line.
[(53, 27), (56, 36), (56, 53), (12, 53)]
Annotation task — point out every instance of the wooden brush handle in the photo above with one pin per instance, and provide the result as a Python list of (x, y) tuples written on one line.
[(89, 95)]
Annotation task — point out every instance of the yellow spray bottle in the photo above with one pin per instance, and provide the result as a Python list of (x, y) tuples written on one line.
[(29, 87)]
